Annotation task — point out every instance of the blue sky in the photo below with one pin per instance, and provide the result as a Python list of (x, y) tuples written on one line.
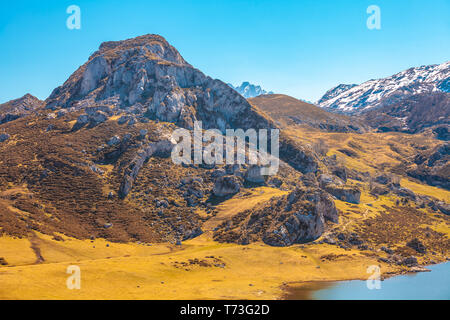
[(300, 48)]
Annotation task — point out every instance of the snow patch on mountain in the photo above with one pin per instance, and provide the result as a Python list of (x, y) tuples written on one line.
[(248, 90), (375, 93)]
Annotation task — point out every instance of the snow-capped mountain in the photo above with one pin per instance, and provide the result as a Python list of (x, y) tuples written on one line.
[(334, 92), (387, 91), (248, 90)]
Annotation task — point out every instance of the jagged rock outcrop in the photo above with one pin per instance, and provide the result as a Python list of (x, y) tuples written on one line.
[(18, 108), (297, 156), (336, 187), (161, 148), (295, 218), (149, 76), (433, 166), (344, 193), (443, 207)]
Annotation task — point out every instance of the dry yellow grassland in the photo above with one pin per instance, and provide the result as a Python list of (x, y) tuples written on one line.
[(161, 271), (204, 269)]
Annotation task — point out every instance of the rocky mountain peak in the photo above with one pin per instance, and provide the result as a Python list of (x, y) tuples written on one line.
[(26, 101), (17, 108), (151, 45), (248, 90), (148, 77)]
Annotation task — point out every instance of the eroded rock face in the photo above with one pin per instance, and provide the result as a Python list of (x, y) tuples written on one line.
[(336, 187), (298, 217), (159, 148), (327, 179), (344, 193)]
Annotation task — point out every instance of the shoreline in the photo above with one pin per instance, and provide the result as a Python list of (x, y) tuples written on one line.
[(306, 289)]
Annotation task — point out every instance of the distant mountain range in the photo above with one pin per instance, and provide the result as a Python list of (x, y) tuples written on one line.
[(248, 90), (410, 101), (371, 94)]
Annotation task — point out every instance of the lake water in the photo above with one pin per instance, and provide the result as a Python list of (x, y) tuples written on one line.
[(434, 285)]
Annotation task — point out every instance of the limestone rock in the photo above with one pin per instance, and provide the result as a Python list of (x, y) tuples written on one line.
[(298, 217), (114, 140), (253, 175), (226, 186), (4, 137), (345, 193)]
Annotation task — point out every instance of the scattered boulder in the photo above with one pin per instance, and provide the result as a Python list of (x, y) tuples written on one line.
[(355, 240), (226, 186), (341, 173), (218, 173), (253, 175), (378, 189), (383, 179), (82, 120), (123, 119), (113, 141), (417, 245), (3, 262), (406, 193), (161, 203), (99, 117), (143, 133), (93, 118), (387, 250), (275, 182), (193, 233), (409, 261), (132, 121), (327, 179), (61, 113), (443, 207), (4, 137)]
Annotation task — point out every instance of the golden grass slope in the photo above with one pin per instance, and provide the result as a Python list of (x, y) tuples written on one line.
[(198, 269)]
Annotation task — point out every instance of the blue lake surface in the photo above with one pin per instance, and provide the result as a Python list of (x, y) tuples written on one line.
[(434, 285)]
